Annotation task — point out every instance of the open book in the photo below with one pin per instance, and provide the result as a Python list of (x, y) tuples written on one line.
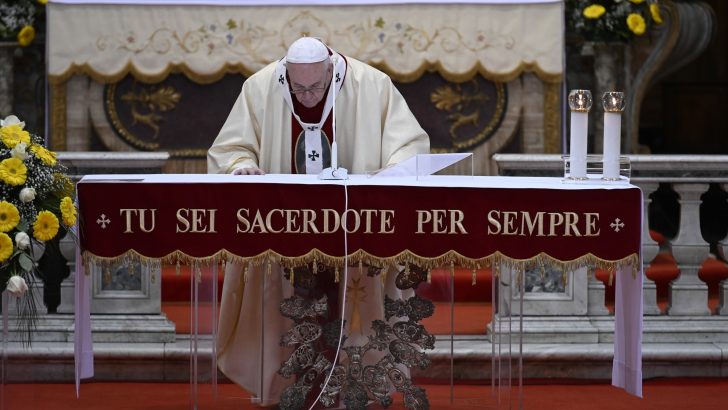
[(422, 165)]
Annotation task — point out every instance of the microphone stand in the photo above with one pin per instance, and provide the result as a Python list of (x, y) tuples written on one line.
[(334, 171)]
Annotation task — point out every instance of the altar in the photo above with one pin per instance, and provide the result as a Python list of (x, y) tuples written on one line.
[(408, 223)]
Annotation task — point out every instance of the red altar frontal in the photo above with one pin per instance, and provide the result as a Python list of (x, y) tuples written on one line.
[(296, 220)]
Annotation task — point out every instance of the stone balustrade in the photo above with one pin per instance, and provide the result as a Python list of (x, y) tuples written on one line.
[(699, 184)]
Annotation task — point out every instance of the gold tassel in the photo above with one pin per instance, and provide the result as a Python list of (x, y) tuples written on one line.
[(270, 267), (315, 267), (292, 279), (178, 269), (360, 264), (429, 275), (336, 275), (611, 277), (475, 277), (245, 273)]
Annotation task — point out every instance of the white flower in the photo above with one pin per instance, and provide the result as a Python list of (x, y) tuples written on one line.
[(27, 194), (12, 120), (17, 286), (19, 151), (22, 240)]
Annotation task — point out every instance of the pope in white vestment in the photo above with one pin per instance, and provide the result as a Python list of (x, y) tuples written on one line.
[(282, 122)]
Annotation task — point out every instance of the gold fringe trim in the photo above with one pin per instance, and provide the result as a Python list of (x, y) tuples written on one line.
[(237, 68), (129, 69), (316, 257)]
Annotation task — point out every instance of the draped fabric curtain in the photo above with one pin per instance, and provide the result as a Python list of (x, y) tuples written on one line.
[(206, 39)]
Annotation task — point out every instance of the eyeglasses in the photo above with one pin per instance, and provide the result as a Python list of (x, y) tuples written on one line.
[(312, 90)]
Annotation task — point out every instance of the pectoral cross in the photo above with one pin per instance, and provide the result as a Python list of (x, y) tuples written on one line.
[(313, 155)]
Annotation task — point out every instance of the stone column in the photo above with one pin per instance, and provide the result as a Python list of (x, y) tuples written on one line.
[(650, 248), (688, 294), (68, 287), (78, 121), (723, 307), (723, 250), (533, 114), (609, 75), (595, 296), (7, 49)]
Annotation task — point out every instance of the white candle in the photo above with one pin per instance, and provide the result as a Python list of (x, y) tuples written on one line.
[(613, 103), (577, 149), (580, 101), (612, 131)]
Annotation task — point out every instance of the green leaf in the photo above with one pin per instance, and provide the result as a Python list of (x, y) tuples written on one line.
[(25, 262), (23, 225)]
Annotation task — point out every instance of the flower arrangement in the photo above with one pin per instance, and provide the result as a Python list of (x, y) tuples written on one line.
[(18, 19), (611, 20), (36, 205)]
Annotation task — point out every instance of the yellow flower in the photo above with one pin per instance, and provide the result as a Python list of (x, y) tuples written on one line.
[(13, 171), (14, 134), (6, 247), (48, 157), (636, 24), (46, 226), (655, 11), (68, 211), (594, 11), (43, 2), (637, 1), (26, 36), (9, 216)]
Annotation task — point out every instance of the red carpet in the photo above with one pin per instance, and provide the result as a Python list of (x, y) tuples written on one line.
[(668, 394), (439, 323)]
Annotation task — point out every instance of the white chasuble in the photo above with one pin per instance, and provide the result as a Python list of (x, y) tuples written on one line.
[(375, 126)]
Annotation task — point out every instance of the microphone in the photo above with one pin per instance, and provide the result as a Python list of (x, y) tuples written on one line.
[(334, 172)]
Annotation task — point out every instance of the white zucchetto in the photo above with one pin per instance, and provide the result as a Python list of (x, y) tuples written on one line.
[(307, 50)]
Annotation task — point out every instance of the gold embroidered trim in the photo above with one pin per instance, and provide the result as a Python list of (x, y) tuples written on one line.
[(58, 124)]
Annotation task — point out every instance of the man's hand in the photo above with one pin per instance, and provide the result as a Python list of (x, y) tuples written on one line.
[(248, 171)]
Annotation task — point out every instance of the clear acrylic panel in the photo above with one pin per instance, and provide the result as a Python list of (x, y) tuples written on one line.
[(506, 336), (202, 333), (5, 331)]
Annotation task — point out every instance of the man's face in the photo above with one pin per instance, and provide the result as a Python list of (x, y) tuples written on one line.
[(309, 81)]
